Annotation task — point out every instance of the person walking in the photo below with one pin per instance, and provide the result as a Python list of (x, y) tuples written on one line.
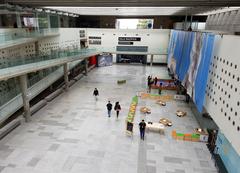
[(142, 126), (109, 108), (155, 81), (149, 80), (149, 83), (96, 93), (117, 108)]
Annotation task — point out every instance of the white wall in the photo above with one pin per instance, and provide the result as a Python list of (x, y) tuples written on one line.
[(155, 39), (68, 38), (223, 88)]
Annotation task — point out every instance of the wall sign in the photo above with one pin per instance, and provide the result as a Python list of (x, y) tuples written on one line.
[(129, 38), (94, 40), (82, 33), (133, 48), (125, 42), (92, 37)]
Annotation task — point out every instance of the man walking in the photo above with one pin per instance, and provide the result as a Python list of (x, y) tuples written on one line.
[(142, 126), (96, 93), (109, 108)]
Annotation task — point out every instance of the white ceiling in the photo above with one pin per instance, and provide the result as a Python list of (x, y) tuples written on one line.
[(123, 11), (143, 11)]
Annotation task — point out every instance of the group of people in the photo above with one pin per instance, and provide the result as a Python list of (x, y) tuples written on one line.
[(117, 106), (151, 81)]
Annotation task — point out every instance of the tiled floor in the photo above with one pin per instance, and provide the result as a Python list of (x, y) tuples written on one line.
[(73, 133)]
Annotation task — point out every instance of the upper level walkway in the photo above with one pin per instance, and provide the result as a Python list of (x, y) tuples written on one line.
[(20, 36), (21, 66)]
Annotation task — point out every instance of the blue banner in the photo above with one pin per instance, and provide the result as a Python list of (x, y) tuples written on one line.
[(189, 56)]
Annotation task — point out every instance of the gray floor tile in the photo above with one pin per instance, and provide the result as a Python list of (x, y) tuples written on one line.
[(1, 168), (204, 163), (45, 134), (33, 162), (96, 153), (53, 147)]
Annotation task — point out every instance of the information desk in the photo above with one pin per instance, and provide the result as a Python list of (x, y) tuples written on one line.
[(165, 84), (158, 127)]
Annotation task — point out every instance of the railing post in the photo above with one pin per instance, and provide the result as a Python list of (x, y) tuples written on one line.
[(65, 69), (25, 97), (151, 61), (86, 66)]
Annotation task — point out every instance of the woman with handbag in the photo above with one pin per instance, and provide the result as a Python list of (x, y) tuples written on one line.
[(117, 108)]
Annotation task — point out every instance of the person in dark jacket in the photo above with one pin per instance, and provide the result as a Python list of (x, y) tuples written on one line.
[(117, 108), (160, 89), (109, 108), (96, 93), (142, 126), (149, 80), (155, 80)]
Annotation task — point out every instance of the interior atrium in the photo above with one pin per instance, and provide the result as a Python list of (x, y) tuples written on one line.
[(137, 86)]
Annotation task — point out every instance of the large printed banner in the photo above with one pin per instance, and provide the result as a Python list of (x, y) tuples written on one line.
[(189, 56)]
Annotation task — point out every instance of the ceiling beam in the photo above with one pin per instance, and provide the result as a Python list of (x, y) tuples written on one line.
[(126, 3)]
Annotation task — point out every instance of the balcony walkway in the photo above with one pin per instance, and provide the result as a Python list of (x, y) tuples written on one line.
[(33, 64)]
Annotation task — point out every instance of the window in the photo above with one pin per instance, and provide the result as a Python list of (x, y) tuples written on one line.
[(134, 23)]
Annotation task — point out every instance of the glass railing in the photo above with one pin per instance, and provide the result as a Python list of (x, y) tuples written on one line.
[(13, 88), (55, 54), (10, 36), (70, 53), (9, 90), (40, 75)]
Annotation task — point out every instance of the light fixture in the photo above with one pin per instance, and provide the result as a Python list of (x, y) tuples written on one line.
[(39, 9), (27, 9), (18, 7)]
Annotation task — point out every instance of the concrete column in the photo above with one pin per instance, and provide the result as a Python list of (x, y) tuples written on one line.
[(65, 69), (25, 97), (185, 23), (59, 21), (151, 60), (49, 21), (36, 16), (18, 19), (86, 66)]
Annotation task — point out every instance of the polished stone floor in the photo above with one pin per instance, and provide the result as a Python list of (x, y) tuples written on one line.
[(73, 134)]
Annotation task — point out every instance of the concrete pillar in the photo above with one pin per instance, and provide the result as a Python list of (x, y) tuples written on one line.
[(25, 97), (151, 60), (185, 23), (18, 19), (36, 16), (59, 21), (65, 69), (49, 21), (86, 66)]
